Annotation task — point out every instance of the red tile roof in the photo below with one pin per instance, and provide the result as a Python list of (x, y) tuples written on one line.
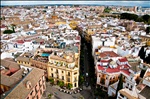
[(126, 71), (114, 70), (3, 26), (124, 59), (105, 61), (100, 67), (20, 41)]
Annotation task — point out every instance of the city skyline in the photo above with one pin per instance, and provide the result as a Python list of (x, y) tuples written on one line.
[(120, 3)]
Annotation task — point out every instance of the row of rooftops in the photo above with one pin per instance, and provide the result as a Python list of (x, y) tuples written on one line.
[(111, 62)]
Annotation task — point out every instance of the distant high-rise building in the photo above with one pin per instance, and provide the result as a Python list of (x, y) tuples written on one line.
[(135, 8)]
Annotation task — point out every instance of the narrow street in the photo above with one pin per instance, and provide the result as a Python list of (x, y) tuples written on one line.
[(88, 68)]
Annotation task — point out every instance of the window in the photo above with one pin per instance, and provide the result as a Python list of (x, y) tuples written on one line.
[(36, 88), (62, 77), (31, 93), (122, 95), (75, 85), (62, 71), (75, 73), (106, 77), (75, 78), (56, 70), (57, 76), (52, 75), (41, 91), (51, 69), (68, 79), (40, 82), (68, 73)]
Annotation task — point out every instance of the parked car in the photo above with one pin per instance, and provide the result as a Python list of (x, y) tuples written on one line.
[(64, 91), (61, 90), (75, 92), (80, 89), (70, 92)]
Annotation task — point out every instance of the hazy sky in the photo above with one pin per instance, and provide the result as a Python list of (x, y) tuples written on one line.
[(125, 3)]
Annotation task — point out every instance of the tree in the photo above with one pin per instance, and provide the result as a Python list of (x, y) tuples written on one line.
[(8, 32), (107, 10), (99, 92), (81, 79), (129, 16), (60, 83), (147, 59), (147, 30), (142, 73), (146, 17), (69, 86), (49, 96), (139, 19), (51, 81), (142, 53), (120, 84)]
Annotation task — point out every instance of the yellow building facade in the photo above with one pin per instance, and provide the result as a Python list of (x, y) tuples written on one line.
[(64, 68)]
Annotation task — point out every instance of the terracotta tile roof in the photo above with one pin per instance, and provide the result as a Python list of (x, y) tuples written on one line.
[(109, 54), (21, 58), (13, 79), (9, 64), (20, 91)]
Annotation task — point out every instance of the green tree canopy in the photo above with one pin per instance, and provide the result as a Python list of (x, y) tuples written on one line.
[(146, 17), (81, 79), (51, 81), (8, 32), (147, 30), (107, 10), (69, 86), (129, 16), (60, 83)]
